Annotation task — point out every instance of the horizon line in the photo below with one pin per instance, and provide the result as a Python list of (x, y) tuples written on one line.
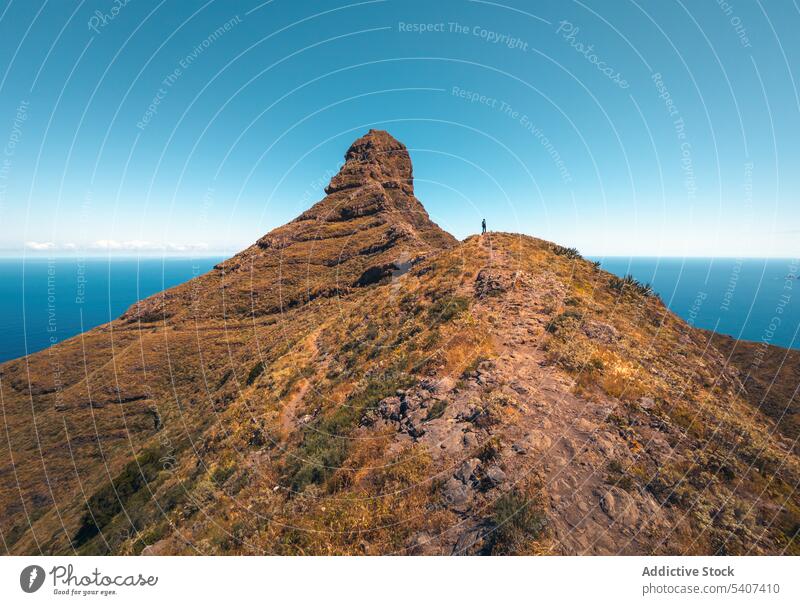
[(33, 255)]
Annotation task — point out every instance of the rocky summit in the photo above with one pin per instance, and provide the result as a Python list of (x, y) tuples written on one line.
[(360, 382)]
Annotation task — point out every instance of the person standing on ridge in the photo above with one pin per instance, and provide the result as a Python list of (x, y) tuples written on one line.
[(483, 226)]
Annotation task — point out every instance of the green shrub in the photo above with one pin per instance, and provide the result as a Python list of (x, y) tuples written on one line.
[(326, 445), (221, 473), (630, 284), (563, 320), (448, 307), (517, 520), (473, 365), (596, 364), (150, 536), (225, 377), (615, 466), (256, 371), (436, 410), (571, 253), (616, 284)]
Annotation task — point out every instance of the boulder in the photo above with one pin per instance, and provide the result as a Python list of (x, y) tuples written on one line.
[(467, 470), (456, 495), (494, 476)]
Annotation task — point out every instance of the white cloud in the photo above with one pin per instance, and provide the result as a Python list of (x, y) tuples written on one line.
[(145, 246), (132, 245), (112, 244), (40, 246), (186, 247)]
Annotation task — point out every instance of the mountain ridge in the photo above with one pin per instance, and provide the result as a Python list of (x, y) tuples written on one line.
[(359, 382)]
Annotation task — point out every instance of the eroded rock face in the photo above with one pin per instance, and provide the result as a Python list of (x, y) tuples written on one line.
[(377, 157), (153, 309)]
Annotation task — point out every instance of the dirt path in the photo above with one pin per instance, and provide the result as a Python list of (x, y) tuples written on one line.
[(288, 419), (571, 442)]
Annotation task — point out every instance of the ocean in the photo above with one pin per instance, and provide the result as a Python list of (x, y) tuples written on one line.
[(45, 301), (749, 299)]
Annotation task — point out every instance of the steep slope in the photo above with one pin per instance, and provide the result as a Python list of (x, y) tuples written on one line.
[(359, 382), (770, 379)]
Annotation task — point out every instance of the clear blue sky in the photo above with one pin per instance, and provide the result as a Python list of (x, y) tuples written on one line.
[(548, 118)]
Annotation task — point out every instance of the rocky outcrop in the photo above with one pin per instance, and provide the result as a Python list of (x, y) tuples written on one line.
[(376, 157)]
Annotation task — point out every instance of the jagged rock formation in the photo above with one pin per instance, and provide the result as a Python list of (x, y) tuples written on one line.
[(358, 381)]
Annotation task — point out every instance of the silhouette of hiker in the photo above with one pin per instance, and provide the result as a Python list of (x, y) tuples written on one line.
[(483, 226)]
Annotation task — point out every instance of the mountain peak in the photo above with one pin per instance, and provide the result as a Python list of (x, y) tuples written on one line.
[(379, 158), (372, 196), (367, 226)]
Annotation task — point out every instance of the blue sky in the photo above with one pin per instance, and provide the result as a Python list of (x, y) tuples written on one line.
[(622, 128)]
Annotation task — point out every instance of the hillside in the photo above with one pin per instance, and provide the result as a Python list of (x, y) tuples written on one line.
[(360, 382)]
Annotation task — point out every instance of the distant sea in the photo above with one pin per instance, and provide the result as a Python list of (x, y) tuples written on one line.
[(43, 301), (749, 299)]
